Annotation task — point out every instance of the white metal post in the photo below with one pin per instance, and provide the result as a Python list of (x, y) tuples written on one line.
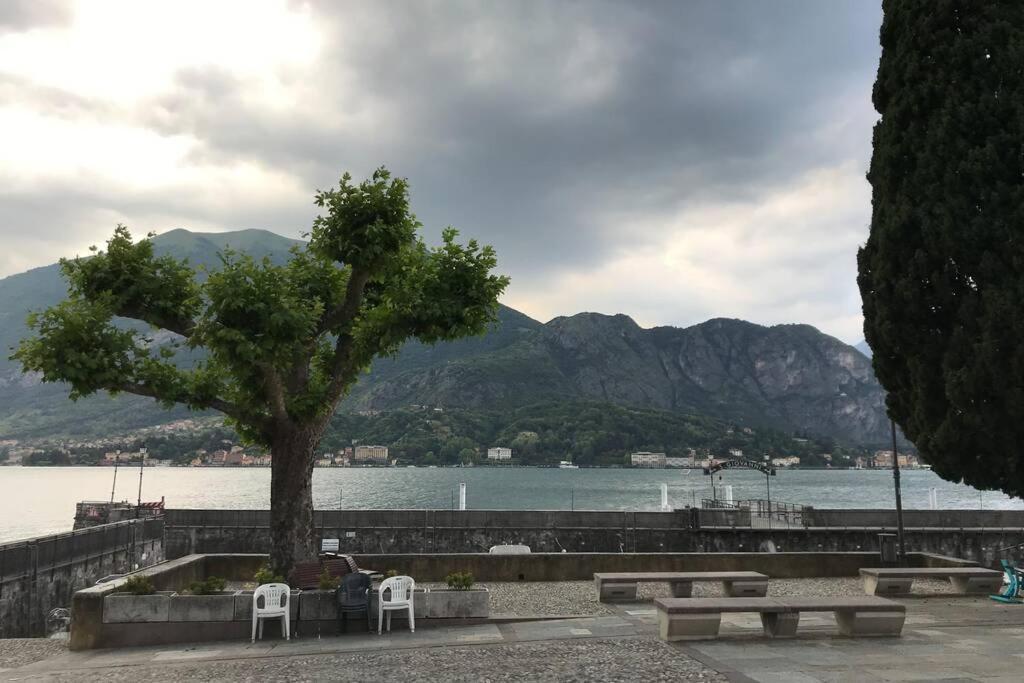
[(462, 496)]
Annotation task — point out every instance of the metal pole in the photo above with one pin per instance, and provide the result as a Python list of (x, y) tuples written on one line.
[(572, 499), (768, 483), (117, 459), (142, 462), (899, 495)]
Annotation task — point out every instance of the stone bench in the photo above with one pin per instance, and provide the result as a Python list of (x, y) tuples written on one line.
[(621, 587), (701, 618), (898, 580)]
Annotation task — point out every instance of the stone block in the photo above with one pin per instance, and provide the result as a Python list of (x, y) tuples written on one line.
[(745, 589), (780, 625), (977, 585), (672, 627), (681, 589), (455, 604), (617, 592), (125, 608), (853, 623), (217, 607), (874, 585)]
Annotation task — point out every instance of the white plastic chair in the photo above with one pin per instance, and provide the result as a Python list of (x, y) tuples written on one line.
[(400, 595), (276, 604)]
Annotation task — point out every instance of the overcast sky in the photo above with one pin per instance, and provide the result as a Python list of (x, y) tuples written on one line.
[(673, 161)]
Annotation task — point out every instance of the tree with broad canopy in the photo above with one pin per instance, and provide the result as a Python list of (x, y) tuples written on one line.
[(278, 345)]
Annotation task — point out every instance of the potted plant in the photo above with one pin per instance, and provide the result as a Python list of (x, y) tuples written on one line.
[(136, 600)]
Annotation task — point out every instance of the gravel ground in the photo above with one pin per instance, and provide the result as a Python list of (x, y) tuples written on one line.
[(628, 659), (580, 597), (15, 652)]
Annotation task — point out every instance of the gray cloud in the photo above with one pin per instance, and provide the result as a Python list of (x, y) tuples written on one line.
[(23, 15), (552, 130), (705, 100)]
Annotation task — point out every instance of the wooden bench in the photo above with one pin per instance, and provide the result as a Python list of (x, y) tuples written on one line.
[(621, 587), (701, 618), (898, 580)]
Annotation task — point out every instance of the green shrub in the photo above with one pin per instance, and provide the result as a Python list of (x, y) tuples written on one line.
[(209, 586), (389, 573), (265, 575), (138, 585), (460, 581), (327, 582)]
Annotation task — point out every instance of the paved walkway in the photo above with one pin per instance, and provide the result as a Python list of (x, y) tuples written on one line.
[(945, 639)]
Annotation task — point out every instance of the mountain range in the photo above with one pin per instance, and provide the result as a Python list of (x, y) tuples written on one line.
[(791, 378)]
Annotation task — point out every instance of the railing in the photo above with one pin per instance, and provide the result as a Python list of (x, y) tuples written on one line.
[(764, 514)]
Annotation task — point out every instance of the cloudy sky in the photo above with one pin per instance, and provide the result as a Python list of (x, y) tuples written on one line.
[(674, 161)]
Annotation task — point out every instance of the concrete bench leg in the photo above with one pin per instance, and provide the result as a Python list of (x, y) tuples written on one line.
[(853, 623), (672, 627), (780, 625), (745, 589), (681, 589), (976, 585), (874, 585), (617, 592)]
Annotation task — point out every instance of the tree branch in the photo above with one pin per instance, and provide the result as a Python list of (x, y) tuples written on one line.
[(347, 310), (275, 392)]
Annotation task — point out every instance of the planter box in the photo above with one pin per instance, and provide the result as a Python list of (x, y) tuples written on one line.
[(317, 605), (243, 605), (124, 608), (215, 607), (445, 603)]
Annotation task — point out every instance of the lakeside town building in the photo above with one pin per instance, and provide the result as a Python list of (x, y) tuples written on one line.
[(374, 454), (499, 453), (647, 459)]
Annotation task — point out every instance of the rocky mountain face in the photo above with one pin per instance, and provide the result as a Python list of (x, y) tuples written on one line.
[(788, 377)]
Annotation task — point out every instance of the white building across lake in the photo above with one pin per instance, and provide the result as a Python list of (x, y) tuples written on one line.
[(499, 453)]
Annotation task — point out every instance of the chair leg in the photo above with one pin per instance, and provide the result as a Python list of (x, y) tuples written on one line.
[(287, 627), (254, 620), (380, 618), (262, 621), (389, 621), (412, 620)]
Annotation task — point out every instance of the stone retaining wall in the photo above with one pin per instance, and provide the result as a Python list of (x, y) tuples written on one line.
[(473, 531), (39, 575)]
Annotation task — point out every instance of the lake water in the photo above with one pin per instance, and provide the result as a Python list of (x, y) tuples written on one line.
[(37, 501)]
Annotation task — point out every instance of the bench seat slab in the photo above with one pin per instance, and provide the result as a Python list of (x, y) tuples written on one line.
[(673, 627), (853, 623), (780, 625)]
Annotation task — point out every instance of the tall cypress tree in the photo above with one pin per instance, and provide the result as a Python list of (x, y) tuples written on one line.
[(942, 273)]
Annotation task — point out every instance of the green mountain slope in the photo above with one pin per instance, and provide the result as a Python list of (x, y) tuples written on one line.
[(790, 378)]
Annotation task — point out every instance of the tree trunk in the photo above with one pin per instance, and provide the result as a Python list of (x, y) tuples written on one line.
[(291, 498)]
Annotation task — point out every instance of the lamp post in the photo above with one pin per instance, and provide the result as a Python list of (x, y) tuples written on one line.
[(899, 496)]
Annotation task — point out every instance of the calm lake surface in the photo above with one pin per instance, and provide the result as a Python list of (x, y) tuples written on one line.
[(38, 501)]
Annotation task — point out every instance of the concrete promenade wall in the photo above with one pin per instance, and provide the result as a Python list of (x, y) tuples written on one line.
[(388, 532), (38, 575), (947, 519)]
